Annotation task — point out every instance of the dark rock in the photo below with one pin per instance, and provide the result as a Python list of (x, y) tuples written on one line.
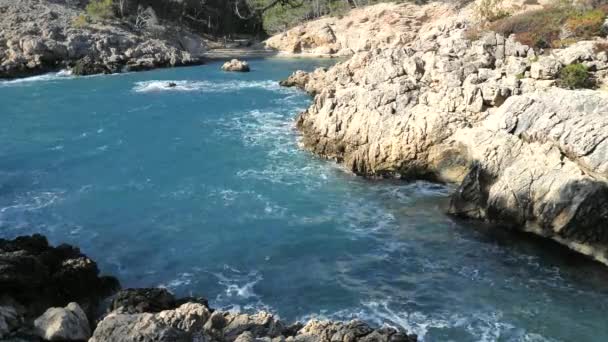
[(39, 276), (143, 300), (89, 66)]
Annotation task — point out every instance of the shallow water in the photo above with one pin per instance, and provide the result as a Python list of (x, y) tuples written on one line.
[(202, 188)]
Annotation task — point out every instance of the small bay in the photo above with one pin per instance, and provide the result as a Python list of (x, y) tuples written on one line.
[(201, 188)]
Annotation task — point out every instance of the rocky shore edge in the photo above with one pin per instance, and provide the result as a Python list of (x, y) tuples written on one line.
[(56, 294), (527, 150)]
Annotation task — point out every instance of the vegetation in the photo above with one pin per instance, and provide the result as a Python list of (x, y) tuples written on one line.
[(278, 15), (575, 76), (553, 26), (490, 10), (80, 21), (100, 9)]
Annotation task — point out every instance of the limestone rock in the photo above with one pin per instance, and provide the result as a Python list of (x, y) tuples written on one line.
[(485, 114), (363, 29), (63, 324), (54, 42), (546, 68), (143, 300), (236, 65)]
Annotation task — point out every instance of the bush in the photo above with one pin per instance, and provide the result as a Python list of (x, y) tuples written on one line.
[(542, 28), (100, 9), (490, 10), (80, 21), (587, 24), (575, 76)]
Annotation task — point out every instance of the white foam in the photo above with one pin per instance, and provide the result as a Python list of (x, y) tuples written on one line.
[(63, 74), (207, 86)]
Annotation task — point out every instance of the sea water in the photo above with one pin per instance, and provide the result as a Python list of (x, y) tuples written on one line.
[(201, 188)]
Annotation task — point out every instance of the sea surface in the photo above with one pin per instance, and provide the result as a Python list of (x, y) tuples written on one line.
[(202, 188)]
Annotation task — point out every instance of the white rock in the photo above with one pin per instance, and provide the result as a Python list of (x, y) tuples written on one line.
[(67, 324)]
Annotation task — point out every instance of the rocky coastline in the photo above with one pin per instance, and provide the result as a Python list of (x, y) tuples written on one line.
[(43, 36), (56, 294), (485, 112)]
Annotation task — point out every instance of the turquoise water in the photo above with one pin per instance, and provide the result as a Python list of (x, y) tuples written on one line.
[(202, 189)]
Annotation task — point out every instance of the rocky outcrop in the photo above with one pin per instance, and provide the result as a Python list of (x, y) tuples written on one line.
[(193, 321), (35, 276), (37, 36), (63, 324), (485, 114), (380, 26), (146, 315), (236, 65)]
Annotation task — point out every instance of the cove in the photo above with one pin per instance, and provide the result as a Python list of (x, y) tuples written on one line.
[(201, 188)]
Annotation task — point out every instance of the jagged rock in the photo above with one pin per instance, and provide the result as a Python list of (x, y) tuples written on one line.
[(63, 324), (194, 321), (39, 276), (546, 68), (143, 300), (10, 320), (236, 65), (484, 114), (55, 42), (363, 29)]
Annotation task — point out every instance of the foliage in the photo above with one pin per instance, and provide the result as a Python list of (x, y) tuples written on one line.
[(80, 21), (586, 24), (282, 17), (100, 9), (575, 76), (490, 10), (542, 28)]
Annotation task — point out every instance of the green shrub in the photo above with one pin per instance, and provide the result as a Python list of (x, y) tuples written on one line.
[(100, 9), (575, 76), (80, 21), (586, 24)]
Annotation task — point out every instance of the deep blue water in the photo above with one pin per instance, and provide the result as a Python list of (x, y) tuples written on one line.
[(202, 188)]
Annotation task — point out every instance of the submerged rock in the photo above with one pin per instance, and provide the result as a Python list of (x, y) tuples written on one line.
[(63, 324), (236, 65)]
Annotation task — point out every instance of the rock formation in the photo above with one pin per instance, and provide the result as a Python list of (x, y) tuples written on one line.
[(236, 65), (484, 113), (381, 26), (37, 281), (38, 36)]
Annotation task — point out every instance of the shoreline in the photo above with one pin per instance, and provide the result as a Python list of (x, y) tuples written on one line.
[(56, 292)]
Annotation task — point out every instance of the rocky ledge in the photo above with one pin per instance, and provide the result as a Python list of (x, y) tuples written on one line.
[(485, 113), (41, 36), (56, 293)]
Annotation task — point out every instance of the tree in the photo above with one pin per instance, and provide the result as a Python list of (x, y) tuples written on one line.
[(257, 8)]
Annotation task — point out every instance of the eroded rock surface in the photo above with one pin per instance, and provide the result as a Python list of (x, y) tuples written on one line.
[(37, 36), (365, 28), (63, 324), (194, 322), (486, 114), (236, 66)]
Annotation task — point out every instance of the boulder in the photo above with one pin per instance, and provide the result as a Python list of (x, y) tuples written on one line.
[(63, 324), (236, 65), (10, 320), (546, 68), (39, 276), (143, 300)]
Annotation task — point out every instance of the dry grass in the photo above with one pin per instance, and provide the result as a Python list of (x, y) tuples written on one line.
[(542, 28)]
